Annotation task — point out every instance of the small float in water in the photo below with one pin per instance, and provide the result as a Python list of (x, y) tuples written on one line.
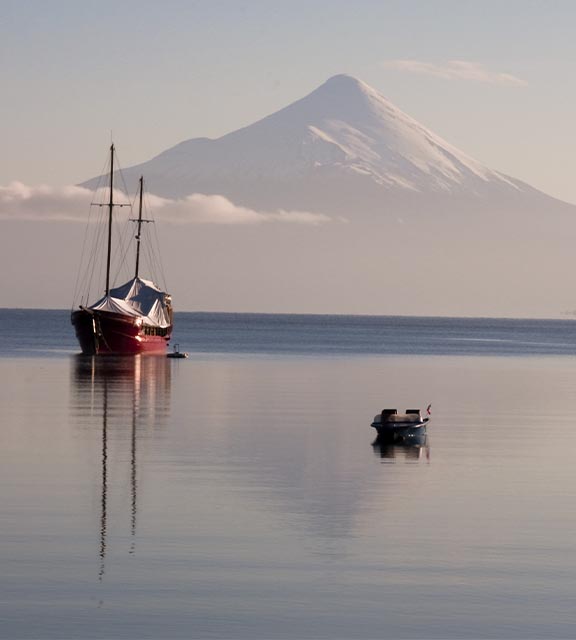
[(176, 353), (396, 426)]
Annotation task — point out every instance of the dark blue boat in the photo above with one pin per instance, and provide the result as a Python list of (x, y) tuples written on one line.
[(396, 426)]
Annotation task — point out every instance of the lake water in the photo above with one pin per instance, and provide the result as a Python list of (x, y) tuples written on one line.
[(239, 493)]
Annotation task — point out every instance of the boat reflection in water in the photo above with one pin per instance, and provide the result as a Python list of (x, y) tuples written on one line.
[(124, 399), (411, 449)]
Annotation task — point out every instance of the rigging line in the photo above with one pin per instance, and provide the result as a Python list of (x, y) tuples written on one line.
[(135, 238), (93, 259), (88, 267), (119, 172), (145, 253), (144, 249), (158, 269), (99, 261), (118, 257), (85, 265), (157, 238), (127, 235), (103, 173), (81, 282), (78, 273), (120, 251), (146, 244), (149, 254), (159, 261), (123, 244), (155, 255), (152, 256)]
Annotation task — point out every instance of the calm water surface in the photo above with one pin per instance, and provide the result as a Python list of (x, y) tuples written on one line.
[(239, 493)]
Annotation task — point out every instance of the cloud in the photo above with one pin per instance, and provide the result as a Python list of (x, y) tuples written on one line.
[(456, 70), (214, 209), (22, 202), (43, 203)]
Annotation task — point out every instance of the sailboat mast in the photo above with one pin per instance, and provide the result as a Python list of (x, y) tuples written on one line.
[(139, 227), (110, 208)]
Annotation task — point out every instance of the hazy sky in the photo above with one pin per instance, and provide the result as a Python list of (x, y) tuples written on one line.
[(494, 78)]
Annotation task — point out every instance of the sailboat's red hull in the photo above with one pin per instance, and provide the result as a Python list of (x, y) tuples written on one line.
[(105, 332)]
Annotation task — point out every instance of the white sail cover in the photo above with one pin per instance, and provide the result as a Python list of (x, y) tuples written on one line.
[(137, 298)]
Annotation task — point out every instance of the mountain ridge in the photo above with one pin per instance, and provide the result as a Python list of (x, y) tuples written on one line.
[(343, 145)]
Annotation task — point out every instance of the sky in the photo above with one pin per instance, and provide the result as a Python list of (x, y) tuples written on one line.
[(153, 74), (494, 78)]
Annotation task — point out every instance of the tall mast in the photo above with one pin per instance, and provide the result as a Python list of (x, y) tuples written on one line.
[(110, 208), (139, 227), (139, 220)]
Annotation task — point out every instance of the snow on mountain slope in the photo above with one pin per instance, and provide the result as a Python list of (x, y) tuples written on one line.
[(342, 140)]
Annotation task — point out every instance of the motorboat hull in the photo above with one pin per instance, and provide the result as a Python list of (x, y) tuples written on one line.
[(100, 332), (399, 432)]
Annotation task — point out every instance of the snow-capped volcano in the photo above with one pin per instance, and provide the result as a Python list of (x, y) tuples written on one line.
[(342, 145), (346, 126), (410, 224)]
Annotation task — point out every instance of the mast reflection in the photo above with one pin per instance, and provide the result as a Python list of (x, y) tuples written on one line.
[(104, 481), (126, 398)]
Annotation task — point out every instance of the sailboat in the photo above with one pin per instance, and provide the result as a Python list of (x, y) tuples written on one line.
[(135, 317)]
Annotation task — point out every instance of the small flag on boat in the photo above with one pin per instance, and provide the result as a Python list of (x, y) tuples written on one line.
[(429, 409)]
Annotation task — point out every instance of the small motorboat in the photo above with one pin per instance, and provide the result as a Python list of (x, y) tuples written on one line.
[(176, 353), (401, 426)]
